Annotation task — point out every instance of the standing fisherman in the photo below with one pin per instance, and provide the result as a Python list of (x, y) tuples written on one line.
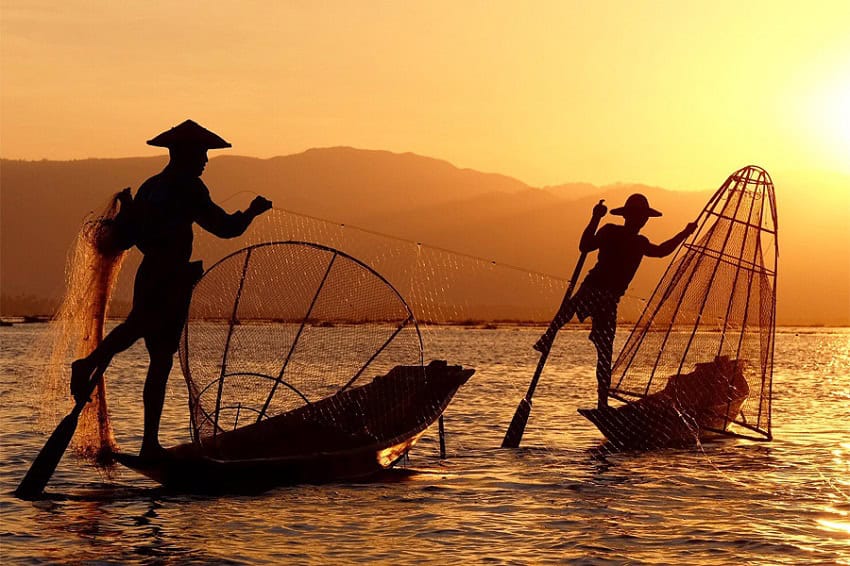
[(159, 222), (621, 249)]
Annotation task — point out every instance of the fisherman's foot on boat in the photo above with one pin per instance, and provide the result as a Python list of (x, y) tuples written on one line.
[(543, 344), (153, 452), (602, 403)]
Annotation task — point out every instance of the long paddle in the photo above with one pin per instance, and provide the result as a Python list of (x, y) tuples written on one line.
[(513, 436), (45, 463)]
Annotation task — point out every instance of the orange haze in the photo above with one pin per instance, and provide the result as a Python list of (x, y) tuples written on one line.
[(664, 93)]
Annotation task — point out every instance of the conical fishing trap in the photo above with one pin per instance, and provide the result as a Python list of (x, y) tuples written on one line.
[(703, 347)]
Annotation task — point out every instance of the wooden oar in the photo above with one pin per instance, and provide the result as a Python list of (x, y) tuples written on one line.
[(513, 436), (45, 463)]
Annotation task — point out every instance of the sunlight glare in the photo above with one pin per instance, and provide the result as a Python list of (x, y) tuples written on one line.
[(835, 526), (829, 115)]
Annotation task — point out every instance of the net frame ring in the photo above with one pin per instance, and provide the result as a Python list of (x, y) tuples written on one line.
[(184, 348)]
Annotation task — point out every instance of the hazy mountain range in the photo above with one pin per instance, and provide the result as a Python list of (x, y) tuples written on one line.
[(42, 204)]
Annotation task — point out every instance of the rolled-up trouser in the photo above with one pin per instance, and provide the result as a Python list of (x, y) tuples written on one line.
[(601, 306)]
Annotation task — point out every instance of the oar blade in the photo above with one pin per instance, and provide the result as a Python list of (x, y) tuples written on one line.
[(45, 463), (513, 436)]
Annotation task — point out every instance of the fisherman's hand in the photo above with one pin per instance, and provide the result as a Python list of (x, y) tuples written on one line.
[(125, 197), (258, 206), (600, 210), (689, 229)]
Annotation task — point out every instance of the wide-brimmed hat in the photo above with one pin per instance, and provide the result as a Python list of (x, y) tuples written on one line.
[(189, 134), (636, 205)]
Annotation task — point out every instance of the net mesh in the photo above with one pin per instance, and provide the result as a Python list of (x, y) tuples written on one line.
[(278, 326), (441, 286), (703, 347), (91, 274)]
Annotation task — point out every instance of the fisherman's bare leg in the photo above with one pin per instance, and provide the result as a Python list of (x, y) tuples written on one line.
[(603, 375), (563, 316), (602, 336), (154, 399), (119, 339)]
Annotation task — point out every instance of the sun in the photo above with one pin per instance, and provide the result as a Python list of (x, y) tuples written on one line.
[(837, 118), (828, 119)]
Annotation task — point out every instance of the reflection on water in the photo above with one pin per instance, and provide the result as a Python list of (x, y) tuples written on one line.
[(561, 497)]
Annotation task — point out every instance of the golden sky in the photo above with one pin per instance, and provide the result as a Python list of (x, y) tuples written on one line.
[(672, 93)]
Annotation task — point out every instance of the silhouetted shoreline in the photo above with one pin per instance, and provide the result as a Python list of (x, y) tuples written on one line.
[(468, 324)]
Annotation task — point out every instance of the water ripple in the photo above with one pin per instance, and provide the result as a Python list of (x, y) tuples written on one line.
[(562, 499)]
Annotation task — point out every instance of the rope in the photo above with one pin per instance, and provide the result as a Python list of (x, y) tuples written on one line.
[(464, 255)]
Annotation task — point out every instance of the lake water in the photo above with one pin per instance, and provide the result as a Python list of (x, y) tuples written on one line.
[(558, 499)]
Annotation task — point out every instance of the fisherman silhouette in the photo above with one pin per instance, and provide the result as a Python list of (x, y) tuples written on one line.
[(158, 221), (621, 249)]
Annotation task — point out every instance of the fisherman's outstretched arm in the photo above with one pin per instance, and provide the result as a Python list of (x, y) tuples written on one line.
[(215, 220), (668, 247), (589, 241)]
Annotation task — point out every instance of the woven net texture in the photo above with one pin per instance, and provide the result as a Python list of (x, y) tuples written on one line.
[(705, 339), (91, 274), (275, 327)]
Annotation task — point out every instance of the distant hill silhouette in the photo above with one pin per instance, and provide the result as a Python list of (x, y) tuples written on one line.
[(42, 204), (354, 182)]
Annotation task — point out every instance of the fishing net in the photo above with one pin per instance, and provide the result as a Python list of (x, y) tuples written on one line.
[(279, 326), (700, 357), (91, 273), (441, 286)]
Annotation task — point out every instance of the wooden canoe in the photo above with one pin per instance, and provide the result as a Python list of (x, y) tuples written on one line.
[(351, 435), (691, 407)]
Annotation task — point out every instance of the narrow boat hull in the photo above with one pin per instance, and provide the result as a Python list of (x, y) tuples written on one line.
[(690, 408), (351, 435), (185, 469), (642, 426)]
